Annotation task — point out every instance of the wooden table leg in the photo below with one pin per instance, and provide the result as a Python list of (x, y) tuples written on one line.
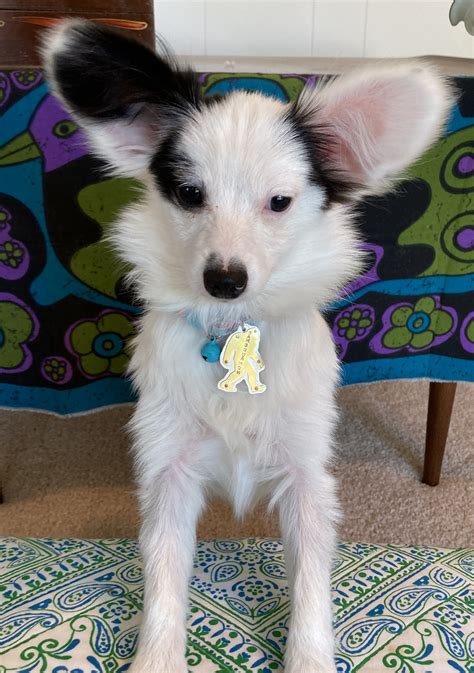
[(440, 406)]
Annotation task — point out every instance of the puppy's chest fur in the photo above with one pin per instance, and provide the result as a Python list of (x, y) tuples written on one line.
[(300, 371)]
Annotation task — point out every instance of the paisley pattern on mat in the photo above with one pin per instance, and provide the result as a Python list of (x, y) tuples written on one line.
[(74, 606), (408, 316)]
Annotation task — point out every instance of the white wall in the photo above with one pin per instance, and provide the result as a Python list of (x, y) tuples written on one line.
[(372, 28)]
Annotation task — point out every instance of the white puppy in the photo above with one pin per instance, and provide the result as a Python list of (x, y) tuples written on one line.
[(246, 219)]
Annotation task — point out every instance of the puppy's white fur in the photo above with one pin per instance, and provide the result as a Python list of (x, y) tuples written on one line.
[(191, 439)]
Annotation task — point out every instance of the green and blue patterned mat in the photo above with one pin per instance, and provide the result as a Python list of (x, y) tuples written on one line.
[(74, 606)]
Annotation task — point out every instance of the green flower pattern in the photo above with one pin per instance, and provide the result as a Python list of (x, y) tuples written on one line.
[(417, 326), (99, 345), (55, 369), (17, 328), (27, 77), (11, 254), (353, 323)]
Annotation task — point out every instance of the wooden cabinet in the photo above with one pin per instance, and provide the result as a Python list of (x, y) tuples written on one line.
[(22, 22)]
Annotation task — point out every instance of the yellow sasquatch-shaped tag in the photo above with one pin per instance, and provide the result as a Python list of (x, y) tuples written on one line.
[(241, 357)]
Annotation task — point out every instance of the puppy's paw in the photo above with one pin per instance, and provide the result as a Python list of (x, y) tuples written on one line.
[(304, 664), (149, 663), (138, 667), (311, 668)]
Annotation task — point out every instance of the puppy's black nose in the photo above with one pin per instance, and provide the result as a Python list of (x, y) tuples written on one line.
[(224, 283)]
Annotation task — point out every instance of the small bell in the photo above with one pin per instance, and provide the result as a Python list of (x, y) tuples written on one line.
[(211, 351)]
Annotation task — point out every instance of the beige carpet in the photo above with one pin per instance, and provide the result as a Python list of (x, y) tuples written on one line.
[(72, 477)]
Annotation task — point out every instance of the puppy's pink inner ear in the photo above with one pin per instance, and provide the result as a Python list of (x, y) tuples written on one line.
[(126, 144), (381, 121), (355, 123)]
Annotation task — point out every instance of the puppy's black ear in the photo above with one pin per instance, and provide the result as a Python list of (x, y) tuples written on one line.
[(119, 91)]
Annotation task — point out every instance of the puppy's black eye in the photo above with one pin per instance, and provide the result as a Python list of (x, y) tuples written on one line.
[(279, 203), (190, 196)]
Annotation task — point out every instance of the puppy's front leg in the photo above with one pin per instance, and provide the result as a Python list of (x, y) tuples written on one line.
[(308, 509), (171, 503)]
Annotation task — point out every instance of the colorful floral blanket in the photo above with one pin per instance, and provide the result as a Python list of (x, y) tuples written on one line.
[(74, 606), (64, 313)]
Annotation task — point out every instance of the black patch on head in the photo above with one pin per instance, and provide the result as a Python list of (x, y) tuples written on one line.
[(103, 75), (315, 141), (169, 166)]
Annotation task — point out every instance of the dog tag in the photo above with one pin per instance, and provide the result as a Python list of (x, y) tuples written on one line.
[(241, 358)]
